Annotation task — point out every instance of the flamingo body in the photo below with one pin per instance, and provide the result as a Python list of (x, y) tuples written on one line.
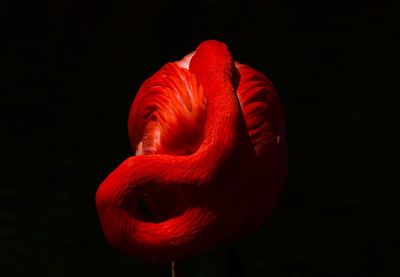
[(210, 159)]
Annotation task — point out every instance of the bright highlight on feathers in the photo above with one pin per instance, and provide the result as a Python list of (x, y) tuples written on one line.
[(208, 134)]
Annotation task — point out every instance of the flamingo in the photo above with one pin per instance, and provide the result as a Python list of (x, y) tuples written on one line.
[(210, 159)]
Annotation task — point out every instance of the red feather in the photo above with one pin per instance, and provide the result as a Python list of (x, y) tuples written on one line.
[(210, 161)]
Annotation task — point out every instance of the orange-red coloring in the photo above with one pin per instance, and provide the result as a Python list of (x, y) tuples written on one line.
[(210, 159)]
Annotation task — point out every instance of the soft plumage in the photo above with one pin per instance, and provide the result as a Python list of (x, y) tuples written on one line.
[(208, 134)]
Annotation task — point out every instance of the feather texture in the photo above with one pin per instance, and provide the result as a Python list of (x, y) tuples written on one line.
[(169, 113), (210, 161)]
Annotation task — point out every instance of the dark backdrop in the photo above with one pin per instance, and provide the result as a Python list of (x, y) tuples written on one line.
[(72, 71)]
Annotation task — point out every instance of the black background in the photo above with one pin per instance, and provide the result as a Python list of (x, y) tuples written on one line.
[(72, 71)]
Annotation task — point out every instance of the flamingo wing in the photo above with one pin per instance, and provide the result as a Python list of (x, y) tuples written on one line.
[(167, 116)]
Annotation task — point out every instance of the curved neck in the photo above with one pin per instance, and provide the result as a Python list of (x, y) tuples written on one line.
[(214, 70), (213, 66)]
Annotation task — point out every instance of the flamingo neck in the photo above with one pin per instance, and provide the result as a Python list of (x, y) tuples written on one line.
[(117, 198), (221, 124), (214, 68)]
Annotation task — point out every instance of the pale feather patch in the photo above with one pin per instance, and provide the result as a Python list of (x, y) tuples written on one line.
[(184, 63)]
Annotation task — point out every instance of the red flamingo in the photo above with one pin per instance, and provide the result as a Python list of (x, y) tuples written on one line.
[(208, 133)]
